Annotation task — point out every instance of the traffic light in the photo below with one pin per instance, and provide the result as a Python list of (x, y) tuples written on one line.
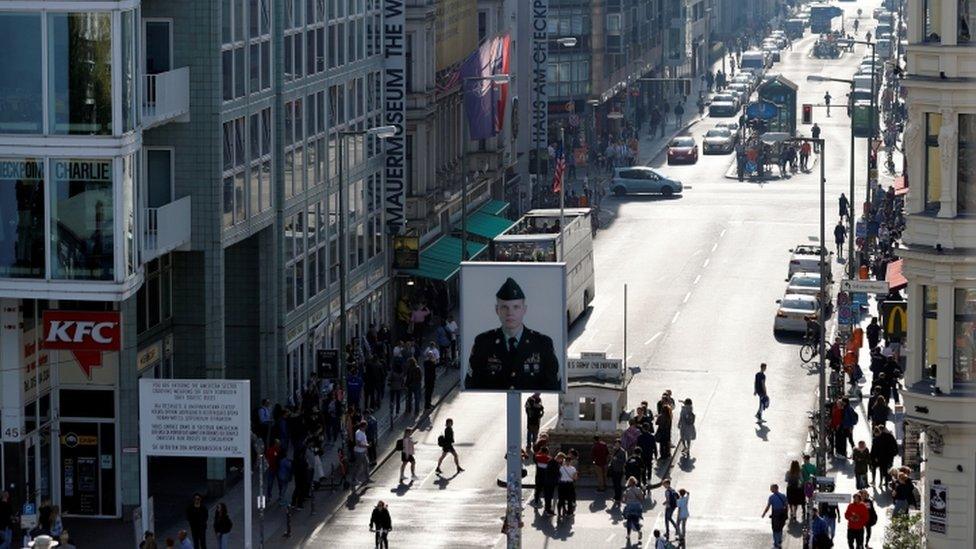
[(807, 113)]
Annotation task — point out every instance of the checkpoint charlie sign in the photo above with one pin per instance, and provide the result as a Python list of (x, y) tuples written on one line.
[(594, 365)]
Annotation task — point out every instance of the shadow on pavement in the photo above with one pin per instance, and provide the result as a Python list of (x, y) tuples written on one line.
[(763, 432)]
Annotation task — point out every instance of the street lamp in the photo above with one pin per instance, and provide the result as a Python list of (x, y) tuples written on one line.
[(379, 132), (851, 268), (493, 79)]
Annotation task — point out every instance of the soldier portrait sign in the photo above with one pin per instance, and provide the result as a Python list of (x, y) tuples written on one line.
[(513, 326)]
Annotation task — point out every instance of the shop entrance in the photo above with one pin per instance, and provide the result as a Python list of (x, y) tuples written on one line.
[(87, 469), (37, 456)]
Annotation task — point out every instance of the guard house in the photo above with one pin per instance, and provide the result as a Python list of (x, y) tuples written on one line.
[(780, 91), (595, 403)]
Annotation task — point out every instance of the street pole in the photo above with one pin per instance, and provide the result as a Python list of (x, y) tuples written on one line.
[(513, 460), (850, 216), (343, 263), (562, 197), (821, 350), (625, 326), (874, 109), (464, 175)]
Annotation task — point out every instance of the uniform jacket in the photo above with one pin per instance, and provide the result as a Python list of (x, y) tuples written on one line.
[(533, 365)]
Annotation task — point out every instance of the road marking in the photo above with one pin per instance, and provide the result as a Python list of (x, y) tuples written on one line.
[(714, 246), (722, 233), (697, 279), (696, 253), (687, 297), (607, 348), (675, 319), (653, 337), (629, 357), (610, 537), (705, 264)]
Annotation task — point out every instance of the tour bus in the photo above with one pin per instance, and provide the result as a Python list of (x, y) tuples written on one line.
[(535, 237)]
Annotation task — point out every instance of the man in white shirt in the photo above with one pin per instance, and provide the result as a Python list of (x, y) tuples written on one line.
[(452, 332), (432, 349), (406, 454), (361, 461)]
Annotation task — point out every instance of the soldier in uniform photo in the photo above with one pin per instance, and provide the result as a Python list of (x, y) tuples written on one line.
[(512, 356)]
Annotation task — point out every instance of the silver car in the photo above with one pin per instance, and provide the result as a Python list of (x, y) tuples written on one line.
[(806, 258), (641, 179), (793, 313), (718, 140)]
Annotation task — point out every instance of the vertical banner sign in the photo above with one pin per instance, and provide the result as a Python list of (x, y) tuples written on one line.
[(394, 112), (540, 64), (937, 508)]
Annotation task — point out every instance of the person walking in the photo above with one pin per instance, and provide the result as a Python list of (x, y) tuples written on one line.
[(633, 508), (843, 207), (827, 102), (407, 450), (567, 480), (682, 529), (395, 382), (884, 448), (686, 428), (381, 523), (840, 235), (819, 532), (862, 461), (759, 389), (414, 380), (617, 464), (360, 457), (196, 516), (663, 432), (776, 508), (804, 155), (541, 460), (857, 516), (430, 379), (600, 454), (671, 498), (534, 410), (873, 332), (446, 442), (794, 489), (815, 133), (551, 481), (679, 112), (222, 525), (635, 467), (903, 494)]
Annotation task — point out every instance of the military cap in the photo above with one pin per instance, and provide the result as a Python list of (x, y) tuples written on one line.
[(510, 290)]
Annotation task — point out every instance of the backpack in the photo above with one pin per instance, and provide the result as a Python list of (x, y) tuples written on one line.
[(399, 445), (872, 515), (440, 441)]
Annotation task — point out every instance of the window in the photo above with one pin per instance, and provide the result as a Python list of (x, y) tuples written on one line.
[(932, 20), (964, 336), (22, 215), (128, 71), (587, 409), (933, 165), (930, 328), (966, 180), (967, 18), (82, 220), (154, 298), (20, 73), (80, 78), (234, 163)]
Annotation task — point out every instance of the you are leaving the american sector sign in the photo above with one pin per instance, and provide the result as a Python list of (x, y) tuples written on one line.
[(194, 417)]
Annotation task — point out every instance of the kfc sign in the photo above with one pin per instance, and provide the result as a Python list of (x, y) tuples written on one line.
[(85, 334)]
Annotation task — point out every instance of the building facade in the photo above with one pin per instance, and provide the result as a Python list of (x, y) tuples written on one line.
[(939, 257), (169, 177)]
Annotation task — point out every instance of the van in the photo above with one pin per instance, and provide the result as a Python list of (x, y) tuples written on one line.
[(883, 48), (755, 59), (882, 30)]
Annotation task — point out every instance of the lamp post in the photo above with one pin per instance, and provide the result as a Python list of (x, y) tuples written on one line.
[(874, 106), (380, 132), (494, 79), (851, 268)]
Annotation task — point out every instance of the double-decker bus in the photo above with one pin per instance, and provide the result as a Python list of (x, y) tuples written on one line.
[(535, 237)]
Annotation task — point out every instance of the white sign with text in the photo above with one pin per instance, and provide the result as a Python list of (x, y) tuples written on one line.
[(194, 417)]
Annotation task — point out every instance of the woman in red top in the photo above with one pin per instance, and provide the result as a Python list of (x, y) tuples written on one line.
[(857, 516), (836, 420)]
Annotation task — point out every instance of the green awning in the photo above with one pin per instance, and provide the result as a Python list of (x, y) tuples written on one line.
[(487, 225), (441, 260), (494, 207)]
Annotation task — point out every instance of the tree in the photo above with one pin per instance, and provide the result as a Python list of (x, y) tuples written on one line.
[(905, 532)]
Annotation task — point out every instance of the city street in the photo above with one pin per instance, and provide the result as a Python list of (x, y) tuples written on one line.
[(703, 273)]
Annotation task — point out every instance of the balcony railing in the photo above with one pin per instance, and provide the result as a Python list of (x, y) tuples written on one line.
[(166, 228), (165, 96)]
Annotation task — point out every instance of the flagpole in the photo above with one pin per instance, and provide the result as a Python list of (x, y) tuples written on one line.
[(562, 195)]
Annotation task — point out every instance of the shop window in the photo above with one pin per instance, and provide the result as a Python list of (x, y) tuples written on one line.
[(930, 329), (966, 173), (80, 79), (933, 163), (20, 73), (964, 334), (82, 220), (21, 217), (85, 403), (154, 297)]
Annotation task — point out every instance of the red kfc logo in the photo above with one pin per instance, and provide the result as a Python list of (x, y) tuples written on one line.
[(86, 334)]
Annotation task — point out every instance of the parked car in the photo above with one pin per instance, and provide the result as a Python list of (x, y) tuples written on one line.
[(723, 104), (746, 79), (793, 312), (730, 125), (683, 149), (745, 91), (773, 53), (806, 258), (805, 283), (642, 179), (718, 140)]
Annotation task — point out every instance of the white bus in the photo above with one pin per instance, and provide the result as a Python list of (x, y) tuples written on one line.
[(535, 237)]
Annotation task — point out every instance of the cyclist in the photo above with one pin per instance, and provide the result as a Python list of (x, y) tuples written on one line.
[(381, 523), (813, 331)]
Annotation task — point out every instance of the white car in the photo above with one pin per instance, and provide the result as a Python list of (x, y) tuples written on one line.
[(806, 259), (793, 313), (730, 125), (806, 283), (744, 90)]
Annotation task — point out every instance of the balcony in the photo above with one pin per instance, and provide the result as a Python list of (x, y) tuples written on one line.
[(166, 228), (166, 97)]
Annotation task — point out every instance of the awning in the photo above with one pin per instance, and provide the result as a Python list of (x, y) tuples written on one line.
[(487, 225), (893, 275), (441, 260), (494, 207)]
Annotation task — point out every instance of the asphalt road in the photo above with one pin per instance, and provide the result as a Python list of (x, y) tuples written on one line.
[(703, 272)]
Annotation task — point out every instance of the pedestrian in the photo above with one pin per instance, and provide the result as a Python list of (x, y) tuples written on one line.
[(183, 540), (843, 207), (647, 445), (663, 432), (635, 467), (903, 494), (850, 420), (566, 491), (840, 235), (670, 505), (633, 508), (222, 525), (395, 381), (815, 133), (794, 489), (679, 112), (381, 523), (360, 457), (857, 516), (372, 436), (542, 460), (759, 389), (683, 514), (820, 537), (615, 468), (414, 380), (446, 442), (884, 448), (407, 450), (600, 454), (862, 461), (660, 542), (827, 102), (686, 428), (148, 539), (776, 503), (804, 155), (873, 332), (354, 387), (196, 516), (534, 410), (430, 378), (878, 407), (740, 160), (552, 481)]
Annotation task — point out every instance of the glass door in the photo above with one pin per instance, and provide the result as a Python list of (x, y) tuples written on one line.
[(87, 469)]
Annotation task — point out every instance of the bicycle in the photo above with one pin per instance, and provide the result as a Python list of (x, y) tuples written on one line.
[(809, 349), (381, 538)]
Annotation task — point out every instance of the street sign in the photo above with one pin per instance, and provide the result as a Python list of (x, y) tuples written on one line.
[(845, 316), (894, 318), (587, 366), (867, 286), (831, 497), (327, 363)]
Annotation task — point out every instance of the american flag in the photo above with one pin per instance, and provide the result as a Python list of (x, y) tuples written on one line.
[(557, 177)]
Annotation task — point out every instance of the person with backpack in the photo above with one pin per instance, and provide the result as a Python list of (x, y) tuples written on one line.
[(634, 468), (534, 410), (406, 447), (615, 468), (446, 442), (777, 504), (686, 428), (857, 519), (670, 505), (872, 516), (633, 508)]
